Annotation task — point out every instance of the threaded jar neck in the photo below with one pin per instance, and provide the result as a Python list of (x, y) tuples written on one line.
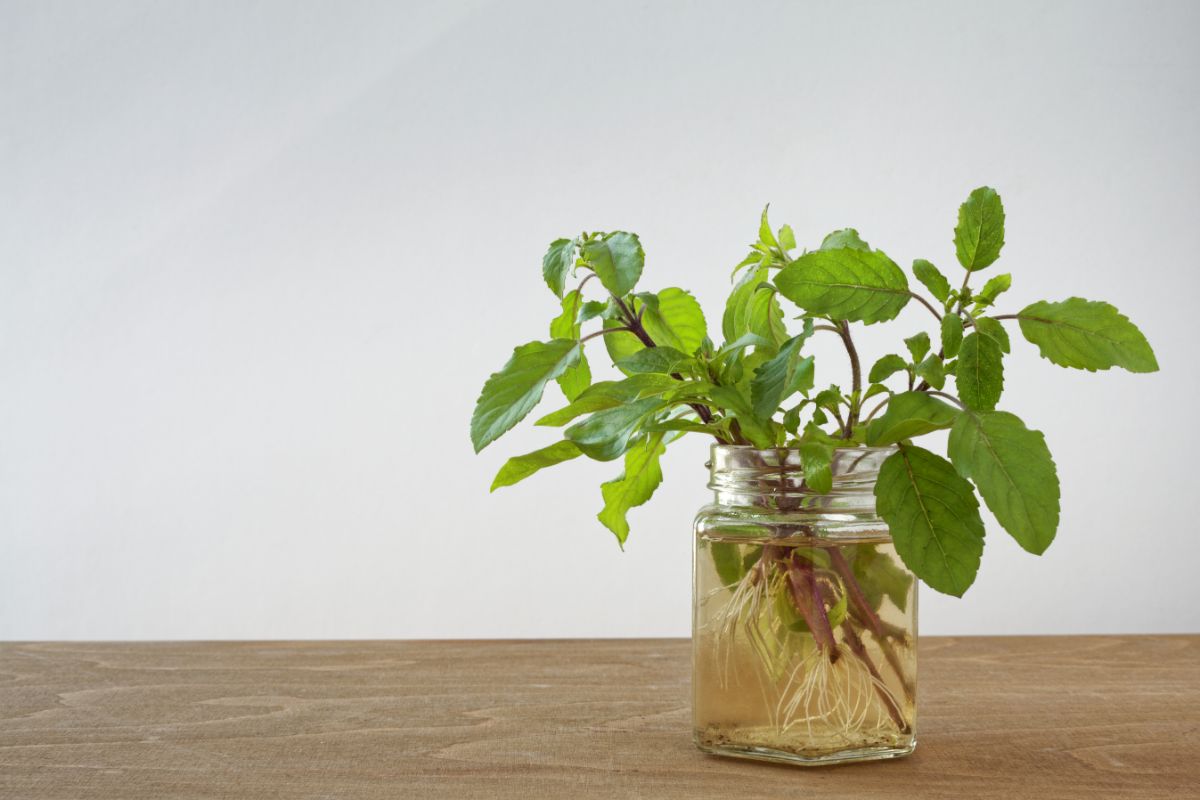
[(741, 475)]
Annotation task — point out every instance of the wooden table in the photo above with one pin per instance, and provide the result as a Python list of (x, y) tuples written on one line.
[(1051, 718)]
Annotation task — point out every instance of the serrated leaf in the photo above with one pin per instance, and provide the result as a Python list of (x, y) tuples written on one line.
[(933, 517), (952, 335), (846, 237), (979, 234), (610, 394), (781, 377), (886, 367), (851, 284), (980, 372), (617, 259), (855, 285), (907, 415), (634, 487), (1086, 334), (557, 262), (996, 286), (605, 434), (656, 359), (1014, 471), (918, 345), (518, 468), (510, 394), (675, 320), (932, 279), (816, 459)]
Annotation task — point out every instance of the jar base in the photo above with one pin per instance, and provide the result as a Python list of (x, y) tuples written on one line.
[(812, 759)]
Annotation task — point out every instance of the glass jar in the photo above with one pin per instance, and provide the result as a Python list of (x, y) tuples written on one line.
[(804, 620)]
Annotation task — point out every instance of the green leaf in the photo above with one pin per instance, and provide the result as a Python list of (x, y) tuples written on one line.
[(675, 320), (575, 380), (519, 468), (566, 324), (764, 317), (874, 389), (610, 394), (682, 426), (880, 576), (932, 371), (907, 415), (854, 285), (993, 329), (656, 359), (764, 230), (1014, 471), (605, 434), (787, 238), (727, 559), (933, 516), (759, 432), (634, 487), (510, 394), (952, 335), (595, 308), (886, 367), (752, 307), (996, 286), (829, 398), (557, 262), (617, 259), (918, 345), (932, 279), (980, 372), (688, 391), (1086, 334), (816, 459), (620, 344), (741, 343), (979, 234), (845, 238), (781, 377)]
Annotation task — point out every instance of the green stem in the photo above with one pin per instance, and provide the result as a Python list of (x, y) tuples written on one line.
[(603, 332), (855, 377), (927, 304)]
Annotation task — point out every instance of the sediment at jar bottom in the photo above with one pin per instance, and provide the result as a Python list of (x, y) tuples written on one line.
[(803, 650)]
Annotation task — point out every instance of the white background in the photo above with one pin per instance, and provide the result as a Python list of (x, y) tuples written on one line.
[(256, 260)]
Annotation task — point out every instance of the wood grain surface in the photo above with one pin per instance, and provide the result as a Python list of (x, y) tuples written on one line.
[(1052, 718)]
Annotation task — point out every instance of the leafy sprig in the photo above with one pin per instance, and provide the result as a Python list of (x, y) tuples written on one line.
[(759, 387)]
